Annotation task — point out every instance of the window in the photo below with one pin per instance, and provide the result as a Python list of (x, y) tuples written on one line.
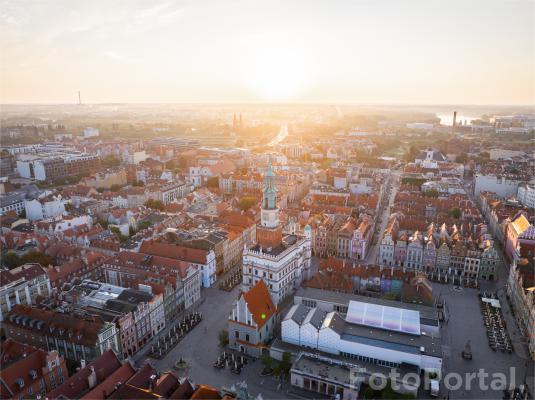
[(247, 337), (237, 334)]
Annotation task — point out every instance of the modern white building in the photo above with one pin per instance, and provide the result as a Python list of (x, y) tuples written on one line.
[(174, 191), (282, 262), (503, 186), (370, 333), (48, 207), (91, 132), (526, 194)]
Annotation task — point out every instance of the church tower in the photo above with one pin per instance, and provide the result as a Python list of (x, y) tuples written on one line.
[(269, 233)]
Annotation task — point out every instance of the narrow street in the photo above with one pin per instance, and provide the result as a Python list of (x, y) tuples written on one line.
[(393, 186)]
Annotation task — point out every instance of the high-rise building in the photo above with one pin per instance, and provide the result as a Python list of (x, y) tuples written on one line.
[(281, 261)]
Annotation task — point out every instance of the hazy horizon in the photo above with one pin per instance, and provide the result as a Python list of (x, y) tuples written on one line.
[(380, 52)]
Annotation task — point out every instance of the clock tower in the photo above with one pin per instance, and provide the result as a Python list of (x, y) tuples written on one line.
[(269, 232)]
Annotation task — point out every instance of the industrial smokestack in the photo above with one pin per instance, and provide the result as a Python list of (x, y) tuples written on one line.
[(79, 98), (454, 123)]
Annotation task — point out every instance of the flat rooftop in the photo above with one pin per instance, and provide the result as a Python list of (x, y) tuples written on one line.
[(407, 343), (287, 242), (333, 370)]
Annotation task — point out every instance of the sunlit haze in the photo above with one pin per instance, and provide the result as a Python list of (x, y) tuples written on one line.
[(424, 52)]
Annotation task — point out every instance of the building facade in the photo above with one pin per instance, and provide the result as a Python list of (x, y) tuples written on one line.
[(22, 285), (252, 320)]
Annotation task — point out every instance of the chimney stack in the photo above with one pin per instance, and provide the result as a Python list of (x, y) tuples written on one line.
[(454, 123), (92, 378)]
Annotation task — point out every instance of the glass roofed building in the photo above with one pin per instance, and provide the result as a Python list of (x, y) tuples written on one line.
[(369, 332)]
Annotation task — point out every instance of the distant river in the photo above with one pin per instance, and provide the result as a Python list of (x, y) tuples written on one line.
[(280, 136)]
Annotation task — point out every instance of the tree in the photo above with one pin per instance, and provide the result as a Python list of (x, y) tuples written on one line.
[(182, 162), (122, 238), (413, 181), (170, 164), (223, 338), (431, 193), (286, 363), (455, 212), (325, 164), (411, 153), (34, 256), (143, 225), (267, 362), (213, 182), (155, 204), (246, 202), (11, 260), (461, 158), (110, 162)]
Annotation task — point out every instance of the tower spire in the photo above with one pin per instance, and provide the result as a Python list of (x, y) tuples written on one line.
[(269, 195)]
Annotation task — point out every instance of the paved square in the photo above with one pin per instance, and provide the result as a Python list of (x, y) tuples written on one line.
[(464, 322), (200, 348)]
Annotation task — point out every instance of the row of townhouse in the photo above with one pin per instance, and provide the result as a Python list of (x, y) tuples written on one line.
[(77, 338), (201, 259), (179, 282), (440, 253), (343, 237), (521, 294), (137, 314)]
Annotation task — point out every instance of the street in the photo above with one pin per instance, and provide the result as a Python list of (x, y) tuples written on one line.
[(384, 217)]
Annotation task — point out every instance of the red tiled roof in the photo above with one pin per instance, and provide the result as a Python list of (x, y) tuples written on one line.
[(27, 271), (204, 392), (177, 252), (259, 303), (34, 360), (104, 389), (77, 384)]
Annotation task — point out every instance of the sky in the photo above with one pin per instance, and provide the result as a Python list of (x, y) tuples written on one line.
[(241, 51)]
